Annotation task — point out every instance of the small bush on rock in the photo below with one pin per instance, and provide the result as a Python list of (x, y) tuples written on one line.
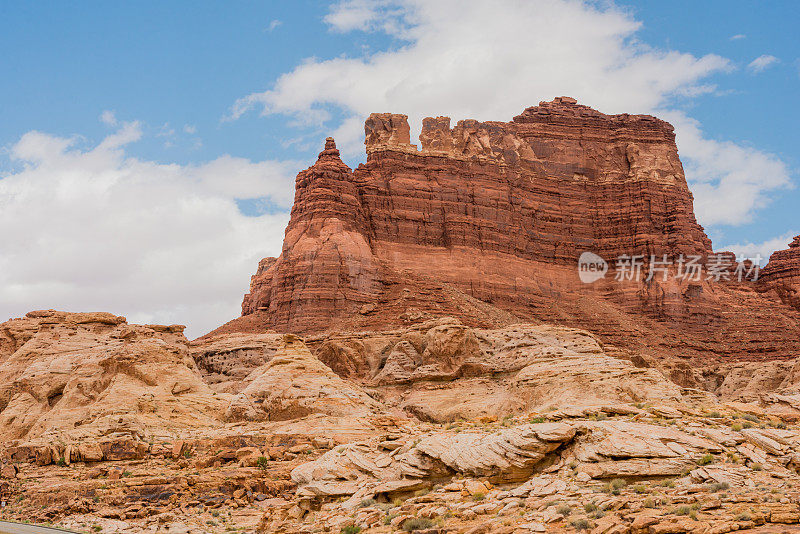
[(417, 523)]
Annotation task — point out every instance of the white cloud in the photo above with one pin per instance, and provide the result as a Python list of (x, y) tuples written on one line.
[(490, 60), (96, 229), (738, 37), (763, 250), (730, 182), (189, 129), (274, 24), (108, 118), (761, 63)]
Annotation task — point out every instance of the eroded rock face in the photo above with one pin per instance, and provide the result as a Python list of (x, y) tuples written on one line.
[(295, 384), (782, 274), (225, 361), (85, 374), (447, 371), (603, 450), (486, 221)]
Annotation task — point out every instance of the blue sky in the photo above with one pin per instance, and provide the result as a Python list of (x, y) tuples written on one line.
[(107, 105)]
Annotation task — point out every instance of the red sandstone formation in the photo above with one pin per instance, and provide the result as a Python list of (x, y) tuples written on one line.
[(782, 274), (486, 222)]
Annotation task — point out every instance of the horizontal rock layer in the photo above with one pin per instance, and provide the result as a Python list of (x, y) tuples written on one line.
[(782, 274), (486, 222)]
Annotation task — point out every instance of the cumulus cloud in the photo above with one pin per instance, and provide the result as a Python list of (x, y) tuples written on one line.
[(481, 60), (730, 182), (761, 63), (490, 60), (761, 250), (93, 228)]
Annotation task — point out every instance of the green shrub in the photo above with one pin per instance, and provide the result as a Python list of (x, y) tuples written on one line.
[(719, 486), (682, 510), (752, 418), (618, 483), (417, 523), (640, 488), (589, 507), (262, 462), (351, 529), (736, 426), (706, 459), (478, 497)]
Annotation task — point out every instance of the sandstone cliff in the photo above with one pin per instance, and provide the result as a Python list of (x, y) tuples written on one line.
[(782, 274), (486, 221)]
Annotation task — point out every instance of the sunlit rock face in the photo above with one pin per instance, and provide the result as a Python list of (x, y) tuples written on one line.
[(485, 221), (782, 274)]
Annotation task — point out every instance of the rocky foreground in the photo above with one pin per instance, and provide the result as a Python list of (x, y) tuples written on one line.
[(112, 427)]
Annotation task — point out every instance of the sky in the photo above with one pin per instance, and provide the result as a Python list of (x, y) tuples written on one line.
[(148, 149)]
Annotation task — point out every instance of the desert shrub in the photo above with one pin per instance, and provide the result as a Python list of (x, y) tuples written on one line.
[(564, 509), (736, 426), (719, 486), (417, 523), (351, 529), (706, 459), (618, 483), (589, 507), (640, 488), (756, 467), (580, 524), (682, 510), (478, 497), (752, 418), (366, 503)]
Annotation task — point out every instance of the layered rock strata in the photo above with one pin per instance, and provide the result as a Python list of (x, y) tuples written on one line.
[(486, 222), (782, 273)]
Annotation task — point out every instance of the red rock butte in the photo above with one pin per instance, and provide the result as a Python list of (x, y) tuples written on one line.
[(486, 222)]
